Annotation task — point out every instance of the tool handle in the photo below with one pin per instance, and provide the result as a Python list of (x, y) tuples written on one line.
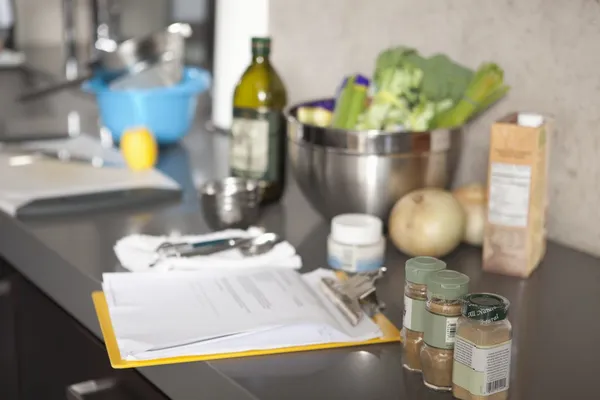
[(204, 250)]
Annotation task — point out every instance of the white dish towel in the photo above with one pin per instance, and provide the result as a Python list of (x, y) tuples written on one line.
[(138, 252)]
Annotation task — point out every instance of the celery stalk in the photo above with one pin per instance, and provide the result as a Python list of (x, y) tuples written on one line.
[(356, 106), (342, 105), (485, 88)]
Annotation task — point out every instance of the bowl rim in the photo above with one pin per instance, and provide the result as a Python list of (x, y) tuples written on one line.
[(371, 142)]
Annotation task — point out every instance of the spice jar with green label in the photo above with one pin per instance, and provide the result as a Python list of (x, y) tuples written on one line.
[(417, 270), (481, 368), (444, 291)]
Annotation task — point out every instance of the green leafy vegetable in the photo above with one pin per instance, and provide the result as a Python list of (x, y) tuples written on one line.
[(413, 92), (485, 88)]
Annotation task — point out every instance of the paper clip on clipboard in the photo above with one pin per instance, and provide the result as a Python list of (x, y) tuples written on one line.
[(355, 296)]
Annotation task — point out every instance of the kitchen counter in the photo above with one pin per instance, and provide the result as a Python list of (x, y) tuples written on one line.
[(555, 348)]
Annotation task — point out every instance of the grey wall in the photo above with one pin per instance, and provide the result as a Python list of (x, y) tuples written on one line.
[(549, 49)]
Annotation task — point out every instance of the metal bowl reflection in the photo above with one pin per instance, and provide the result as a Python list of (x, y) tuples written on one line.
[(343, 171), (230, 203)]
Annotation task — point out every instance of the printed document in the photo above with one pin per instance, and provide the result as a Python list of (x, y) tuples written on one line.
[(207, 312)]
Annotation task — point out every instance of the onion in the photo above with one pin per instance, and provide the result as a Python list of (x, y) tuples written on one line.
[(427, 222), (473, 199)]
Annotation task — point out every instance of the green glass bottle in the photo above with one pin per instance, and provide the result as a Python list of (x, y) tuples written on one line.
[(258, 130)]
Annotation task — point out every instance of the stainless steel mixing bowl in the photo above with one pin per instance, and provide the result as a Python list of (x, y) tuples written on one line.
[(343, 171)]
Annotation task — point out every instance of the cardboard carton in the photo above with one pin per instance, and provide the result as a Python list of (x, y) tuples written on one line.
[(515, 235)]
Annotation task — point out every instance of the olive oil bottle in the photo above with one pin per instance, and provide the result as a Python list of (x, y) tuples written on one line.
[(258, 130)]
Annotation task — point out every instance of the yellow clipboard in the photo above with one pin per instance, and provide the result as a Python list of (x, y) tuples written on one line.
[(390, 334)]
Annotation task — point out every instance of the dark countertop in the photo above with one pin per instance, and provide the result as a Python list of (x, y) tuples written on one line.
[(554, 352)]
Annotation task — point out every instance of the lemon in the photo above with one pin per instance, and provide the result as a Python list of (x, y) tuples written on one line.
[(139, 148)]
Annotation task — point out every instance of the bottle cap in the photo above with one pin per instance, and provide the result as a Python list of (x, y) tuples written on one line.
[(417, 269), (261, 45), (485, 307), (530, 120), (447, 285), (356, 229)]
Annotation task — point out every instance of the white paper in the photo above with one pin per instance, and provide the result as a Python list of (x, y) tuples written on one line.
[(208, 312)]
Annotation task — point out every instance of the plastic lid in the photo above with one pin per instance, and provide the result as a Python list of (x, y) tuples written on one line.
[(530, 120), (419, 268), (356, 229), (485, 307), (447, 285)]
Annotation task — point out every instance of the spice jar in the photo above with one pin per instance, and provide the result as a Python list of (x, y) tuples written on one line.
[(482, 349), (356, 243), (444, 290), (417, 270)]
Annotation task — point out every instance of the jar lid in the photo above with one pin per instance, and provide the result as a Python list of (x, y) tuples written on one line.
[(417, 269), (447, 285), (485, 307), (356, 229)]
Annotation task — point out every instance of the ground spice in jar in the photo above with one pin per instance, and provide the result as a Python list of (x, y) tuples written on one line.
[(417, 270), (484, 333), (444, 290)]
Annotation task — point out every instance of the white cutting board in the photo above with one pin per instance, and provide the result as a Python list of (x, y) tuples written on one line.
[(44, 178)]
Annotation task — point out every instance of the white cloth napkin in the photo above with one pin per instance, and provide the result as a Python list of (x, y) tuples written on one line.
[(138, 252)]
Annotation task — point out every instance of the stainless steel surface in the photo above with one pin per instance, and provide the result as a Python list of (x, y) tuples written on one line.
[(249, 247), (230, 203), (136, 54), (356, 296), (260, 244), (149, 61), (66, 257), (343, 171), (105, 23), (28, 156)]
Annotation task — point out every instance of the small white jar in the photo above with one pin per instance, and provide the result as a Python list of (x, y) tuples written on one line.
[(356, 243)]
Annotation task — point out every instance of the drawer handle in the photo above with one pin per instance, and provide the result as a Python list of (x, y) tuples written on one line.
[(81, 390)]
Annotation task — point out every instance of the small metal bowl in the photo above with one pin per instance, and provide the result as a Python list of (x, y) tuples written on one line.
[(230, 203)]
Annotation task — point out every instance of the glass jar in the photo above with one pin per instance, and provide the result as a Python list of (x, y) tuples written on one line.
[(444, 290), (483, 332), (417, 270)]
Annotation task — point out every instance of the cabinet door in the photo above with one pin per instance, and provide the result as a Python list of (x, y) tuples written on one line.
[(8, 354), (56, 352)]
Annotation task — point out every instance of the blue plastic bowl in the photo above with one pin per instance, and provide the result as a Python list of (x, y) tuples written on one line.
[(167, 111)]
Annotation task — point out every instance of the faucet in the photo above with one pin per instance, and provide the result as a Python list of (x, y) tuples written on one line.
[(105, 23)]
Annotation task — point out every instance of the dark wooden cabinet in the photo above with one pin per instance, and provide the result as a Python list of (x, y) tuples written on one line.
[(8, 346), (55, 357)]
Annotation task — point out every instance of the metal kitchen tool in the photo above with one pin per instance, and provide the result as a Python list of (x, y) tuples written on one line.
[(230, 203), (249, 247), (130, 57), (355, 296), (260, 244)]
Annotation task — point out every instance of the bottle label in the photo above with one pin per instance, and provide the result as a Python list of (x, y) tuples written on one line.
[(481, 370), (414, 314), (440, 331), (255, 143), (351, 259)]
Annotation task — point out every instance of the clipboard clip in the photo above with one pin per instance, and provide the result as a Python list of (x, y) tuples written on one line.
[(355, 296)]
